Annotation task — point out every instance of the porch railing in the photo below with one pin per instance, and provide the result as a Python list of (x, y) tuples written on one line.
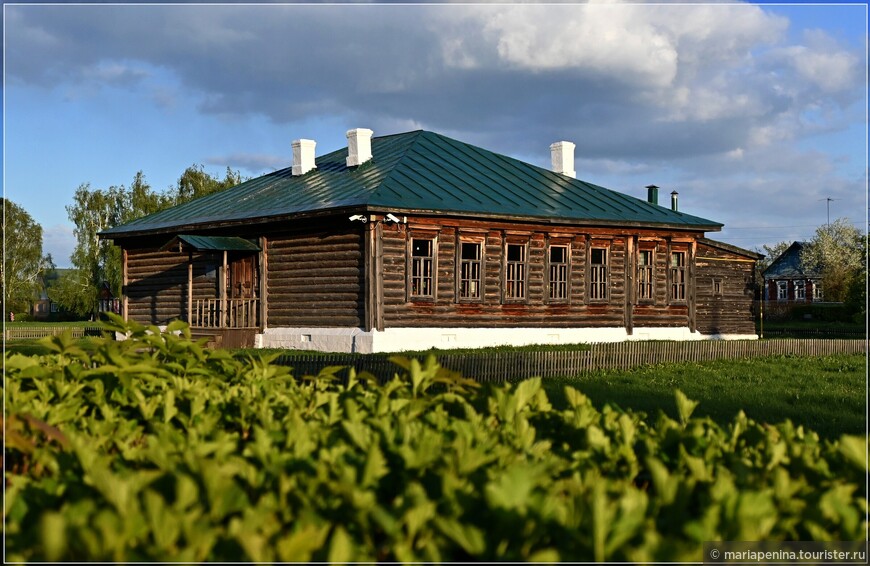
[(240, 313)]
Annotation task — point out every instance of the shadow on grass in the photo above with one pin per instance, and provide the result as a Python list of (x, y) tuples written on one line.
[(826, 394)]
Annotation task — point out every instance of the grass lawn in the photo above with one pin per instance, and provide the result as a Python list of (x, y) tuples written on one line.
[(825, 394)]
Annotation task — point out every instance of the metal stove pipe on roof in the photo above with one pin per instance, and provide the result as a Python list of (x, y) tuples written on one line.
[(652, 194)]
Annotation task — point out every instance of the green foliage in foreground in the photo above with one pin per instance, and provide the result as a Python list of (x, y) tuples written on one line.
[(155, 449)]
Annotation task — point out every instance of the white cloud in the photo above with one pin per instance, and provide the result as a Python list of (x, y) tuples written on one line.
[(672, 94), (822, 63)]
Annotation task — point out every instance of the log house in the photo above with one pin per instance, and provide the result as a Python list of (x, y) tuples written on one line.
[(417, 240)]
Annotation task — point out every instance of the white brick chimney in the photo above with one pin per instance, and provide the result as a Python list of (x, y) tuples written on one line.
[(303, 156), (562, 156), (359, 146)]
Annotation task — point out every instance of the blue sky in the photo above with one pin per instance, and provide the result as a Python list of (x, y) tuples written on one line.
[(755, 114)]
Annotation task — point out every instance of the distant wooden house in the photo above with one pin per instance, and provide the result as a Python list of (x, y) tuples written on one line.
[(41, 308), (107, 301), (787, 279), (417, 240)]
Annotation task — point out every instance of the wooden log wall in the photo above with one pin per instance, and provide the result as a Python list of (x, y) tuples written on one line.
[(156, 285), (730, 311), (316, 279), (445, 310)]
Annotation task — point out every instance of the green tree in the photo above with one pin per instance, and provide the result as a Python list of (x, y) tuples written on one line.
[(73, 292), (23, 262), (92, 211), (195, 183), (856, 290), (837, 252), (98, 261)]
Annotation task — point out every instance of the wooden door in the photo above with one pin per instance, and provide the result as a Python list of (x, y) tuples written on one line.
[(242, 278)]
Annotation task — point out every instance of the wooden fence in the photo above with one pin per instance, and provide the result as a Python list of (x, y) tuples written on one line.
[(501, 366), (797, 332), (35, 332)]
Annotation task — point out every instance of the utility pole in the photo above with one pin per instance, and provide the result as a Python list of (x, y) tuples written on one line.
[(829, 199)]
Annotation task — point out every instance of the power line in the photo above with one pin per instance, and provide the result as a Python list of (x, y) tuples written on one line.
[(856, 222)]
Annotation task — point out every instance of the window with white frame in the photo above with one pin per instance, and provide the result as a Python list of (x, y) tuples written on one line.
[(516, 266), (422, 268), (558, 273), (645, 276), (469, 270), (782, 290), (598, 274), (678, 276), (800, 290)]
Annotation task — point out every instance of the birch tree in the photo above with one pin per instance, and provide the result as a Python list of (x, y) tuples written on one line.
[(23, 261)]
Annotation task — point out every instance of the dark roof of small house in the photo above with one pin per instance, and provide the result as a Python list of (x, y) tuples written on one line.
[(419, 172), (789, 265)]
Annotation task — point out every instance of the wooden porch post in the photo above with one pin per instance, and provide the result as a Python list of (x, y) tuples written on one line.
[(373, 269), (370, 274), (224, 292), (630, 284), (690, 285), (125, 308), (379, 277), (190, 288), (264, 288)]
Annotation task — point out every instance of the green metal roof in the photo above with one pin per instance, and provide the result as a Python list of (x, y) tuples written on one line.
[(215, 243), (423, 172)]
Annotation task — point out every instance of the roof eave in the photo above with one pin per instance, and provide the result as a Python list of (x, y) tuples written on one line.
[(230, 223), (562, 220)]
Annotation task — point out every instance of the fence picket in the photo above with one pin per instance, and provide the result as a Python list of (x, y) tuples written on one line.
[(501, 366)]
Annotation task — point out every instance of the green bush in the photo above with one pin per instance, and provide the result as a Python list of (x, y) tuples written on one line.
[(154, 449)]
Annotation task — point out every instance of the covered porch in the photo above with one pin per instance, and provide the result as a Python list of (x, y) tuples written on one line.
[(238, 285)]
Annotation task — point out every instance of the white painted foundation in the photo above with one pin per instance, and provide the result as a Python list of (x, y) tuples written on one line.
[(320, 339), (401, 339)]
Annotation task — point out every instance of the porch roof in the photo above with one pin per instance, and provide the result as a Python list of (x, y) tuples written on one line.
[(214, 243)]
